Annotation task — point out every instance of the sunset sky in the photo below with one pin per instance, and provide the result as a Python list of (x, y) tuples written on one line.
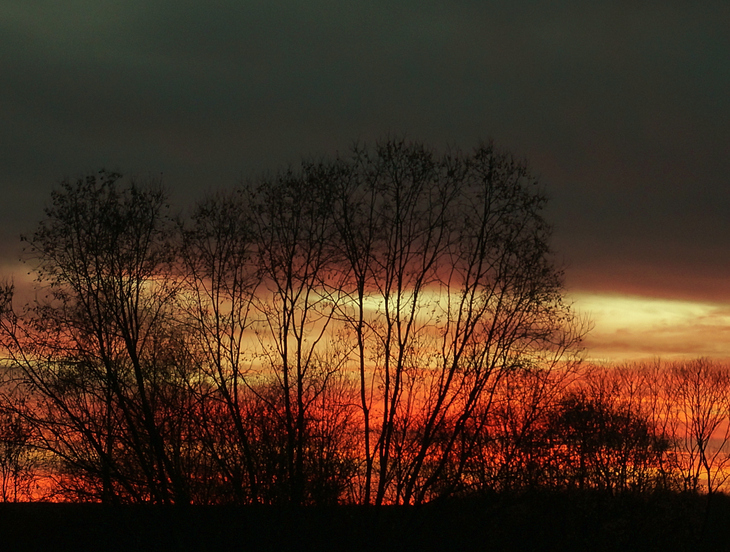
[(622, 110)]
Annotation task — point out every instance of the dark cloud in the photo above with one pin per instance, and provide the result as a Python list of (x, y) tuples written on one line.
[(622, 109)]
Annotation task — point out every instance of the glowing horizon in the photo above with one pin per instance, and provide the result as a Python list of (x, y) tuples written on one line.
[(631, 327), (625, 326)]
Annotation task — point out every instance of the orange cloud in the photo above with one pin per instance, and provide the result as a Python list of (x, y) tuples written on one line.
[(630, 327)]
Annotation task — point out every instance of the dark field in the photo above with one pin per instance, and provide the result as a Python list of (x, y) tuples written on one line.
[(572, 521)]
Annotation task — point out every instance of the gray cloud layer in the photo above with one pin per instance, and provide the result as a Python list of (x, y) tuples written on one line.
[(624, 110)]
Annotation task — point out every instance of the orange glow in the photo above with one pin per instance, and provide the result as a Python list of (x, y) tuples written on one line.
[(629, 327)]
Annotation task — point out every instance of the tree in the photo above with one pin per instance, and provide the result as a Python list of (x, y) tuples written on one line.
[(450, 288), (220, 281), (18, 459), (91, 349), (698, 393), (343, 331), (512, 454), (296, 303), (596, 443)]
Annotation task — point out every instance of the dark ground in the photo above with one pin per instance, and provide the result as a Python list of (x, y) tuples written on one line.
[(570, 521)]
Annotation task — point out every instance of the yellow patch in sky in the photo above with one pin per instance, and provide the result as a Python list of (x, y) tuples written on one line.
[(631, 327)]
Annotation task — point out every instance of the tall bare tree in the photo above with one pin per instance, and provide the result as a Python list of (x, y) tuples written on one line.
[(296, 302), (221, 279), (452, 288), (89, 348)]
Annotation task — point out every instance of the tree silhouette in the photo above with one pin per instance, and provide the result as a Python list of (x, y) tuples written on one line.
[(91, 349), (343, 331), (596, 445), (452, 288), (220, 281), (699, 395)]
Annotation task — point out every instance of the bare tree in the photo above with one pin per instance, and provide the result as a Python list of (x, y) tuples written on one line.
[(89, 349), (698, 393), (296, 301), (221, 279), (19, 461), (512, 452), (451, 263)]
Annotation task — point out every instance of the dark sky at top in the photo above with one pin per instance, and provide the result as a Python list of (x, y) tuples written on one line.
[(621, 108)]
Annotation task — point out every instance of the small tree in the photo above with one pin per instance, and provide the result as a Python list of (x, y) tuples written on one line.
[(220, 280), (698, 393), (18, 458), (595, 443)]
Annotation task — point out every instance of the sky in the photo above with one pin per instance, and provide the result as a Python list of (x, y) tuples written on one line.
[(621, 108)]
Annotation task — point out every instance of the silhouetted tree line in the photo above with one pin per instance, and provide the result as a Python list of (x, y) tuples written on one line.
[(387, 327)]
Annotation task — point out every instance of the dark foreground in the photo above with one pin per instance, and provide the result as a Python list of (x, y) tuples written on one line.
[(530, 522)]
